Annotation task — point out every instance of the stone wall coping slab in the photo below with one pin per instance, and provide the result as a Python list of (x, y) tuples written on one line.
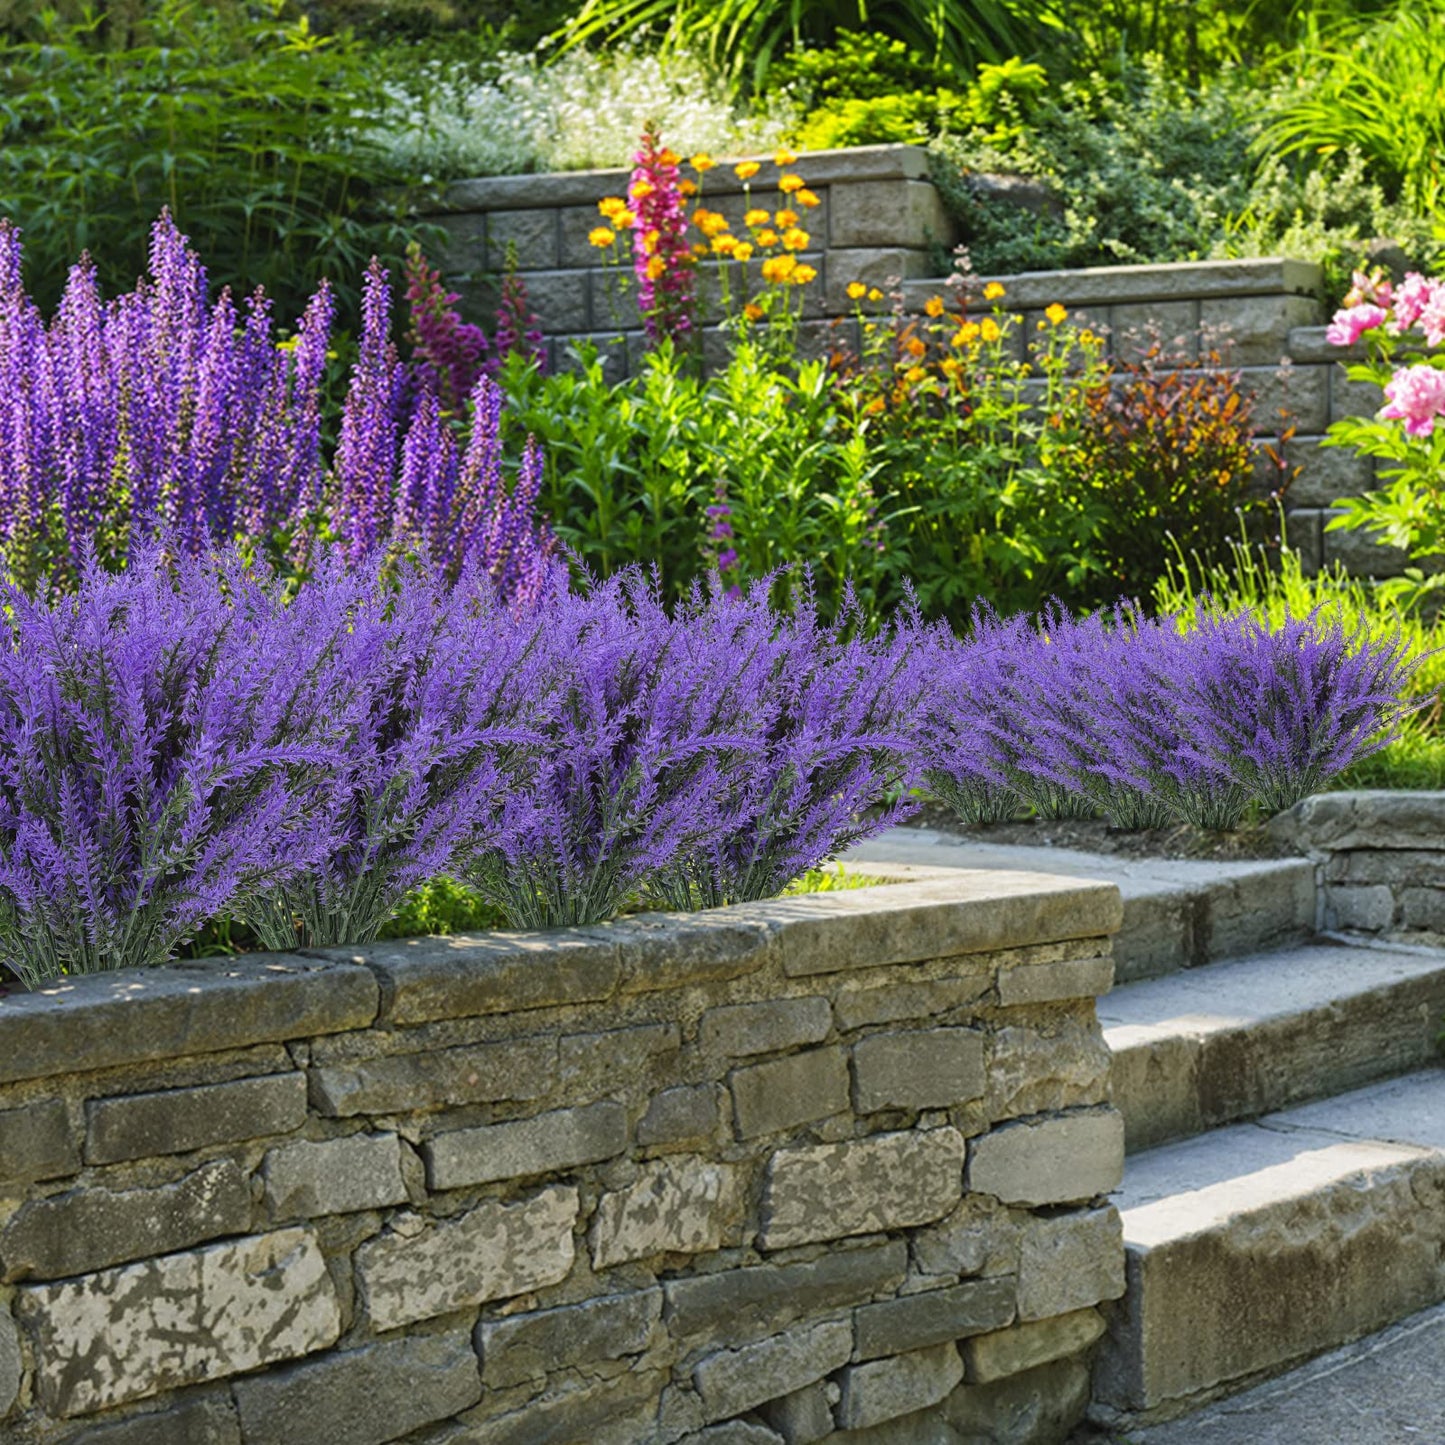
[(581, 188), (1368, 818), (99, 1021)]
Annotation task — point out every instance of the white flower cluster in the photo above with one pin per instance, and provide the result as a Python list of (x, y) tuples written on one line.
[(582, 111)]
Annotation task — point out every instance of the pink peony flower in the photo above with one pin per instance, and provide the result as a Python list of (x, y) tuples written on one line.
[(1412, 300), (1370, 286), (1432, 318), (1416, 396), (1352, 323)]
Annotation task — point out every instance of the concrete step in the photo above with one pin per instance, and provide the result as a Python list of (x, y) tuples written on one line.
[(1177, 914), (1252, 1248), (1233, 1041)]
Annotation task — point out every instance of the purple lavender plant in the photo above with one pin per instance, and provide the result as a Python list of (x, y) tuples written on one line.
[(144, 777), (425, 695)]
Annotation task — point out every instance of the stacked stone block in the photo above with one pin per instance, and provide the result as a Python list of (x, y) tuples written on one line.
[(830, 1168)]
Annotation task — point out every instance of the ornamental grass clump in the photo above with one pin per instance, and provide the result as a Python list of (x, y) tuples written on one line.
[(163, 411), (149, 772)]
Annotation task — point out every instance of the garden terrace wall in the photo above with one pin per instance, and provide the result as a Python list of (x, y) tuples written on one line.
[(794, 1170), (881, 219), (1379, 859)]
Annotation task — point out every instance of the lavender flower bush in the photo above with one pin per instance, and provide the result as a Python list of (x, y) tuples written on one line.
[(162, 410)]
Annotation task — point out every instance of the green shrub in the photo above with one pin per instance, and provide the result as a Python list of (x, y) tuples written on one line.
[(249, 130)]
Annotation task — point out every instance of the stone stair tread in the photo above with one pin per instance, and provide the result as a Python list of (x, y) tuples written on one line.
[(1234, 1040), (1256, 1246)]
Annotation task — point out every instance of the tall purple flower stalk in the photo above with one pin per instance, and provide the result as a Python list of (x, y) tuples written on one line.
[(164, 412), (146, 777)]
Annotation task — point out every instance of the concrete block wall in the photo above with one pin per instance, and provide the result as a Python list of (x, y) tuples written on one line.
[(801, 1171), (878, 218), (1379, 859)]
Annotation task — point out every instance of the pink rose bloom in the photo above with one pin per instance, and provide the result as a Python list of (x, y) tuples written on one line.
[(1352, 323), (1416, 397), (1412, 299)]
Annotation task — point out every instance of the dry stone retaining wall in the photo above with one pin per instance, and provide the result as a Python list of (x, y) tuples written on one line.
[(829, 1168), (1379, 858), (880, 219)]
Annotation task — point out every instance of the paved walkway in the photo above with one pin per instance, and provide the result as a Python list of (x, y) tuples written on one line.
[(1388, 1389)]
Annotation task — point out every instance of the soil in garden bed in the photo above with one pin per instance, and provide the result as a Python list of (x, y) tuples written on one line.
[(1093, 835)]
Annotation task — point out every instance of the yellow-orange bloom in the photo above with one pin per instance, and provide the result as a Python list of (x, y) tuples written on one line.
[(966, 334), (856, 290), (874, 406), (993, 291), (950, 366), (624, 219), (640, 190), (746, 170), (805, 197), (934, 306), (786, 218), (1056, 313), (916, 347), (669, 157), (610, 205), (795, 238), (650, 239), (686, 187), (756, 217), (699, 249), (778, 268), (702, 162), (753, 311), (914, 373), (724, 244), (783, 158), (989, 330), (874, 294), (656, 268), (1087, 337), (803, 274), (743, 251), (600, 236), (767, 237), (789, 183)]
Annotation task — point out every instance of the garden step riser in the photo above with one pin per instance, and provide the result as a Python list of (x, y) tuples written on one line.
[(1185, 1080), (1255, 1247)]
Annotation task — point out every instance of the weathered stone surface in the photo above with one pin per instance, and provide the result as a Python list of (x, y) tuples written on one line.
[(672, 951), (972, 911), (1026, 1346), (1399, 867), (598, 1412), (1171, 326), (1039, 1070), (36, 1142), (926, 1069), (10, 1364), (1361, 554), (888, 1181), (545, 1144), (1038, 1407), (90, 1228), (528, 237), (786, 1092), (103, 1020), (530, 1346), (362, 1397), (732, 1432), (888, 213), (1326, 474), (469, 974), (418, 1270), (335, 1176), (207, 1420), (739, 1304), (1369, 908), (175, 1121), (735, 1030), (805, 1416), (597, 1061), (885, 1389), (1254, 331), (1423, 908), (123, 1334), (898, 1002), (1050, 1161), (683, 1204), (1049, 982), (934, 1317), (733, 1381), (400, 1083), (684, 1114), (1367, 818), (1069, 1262), (980, 1237)]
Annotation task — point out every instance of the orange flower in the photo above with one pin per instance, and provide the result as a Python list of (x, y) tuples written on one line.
[(934, 306), (650, 240), (702, 162), (779, 268), (993, 291), (783, 158), (725, 244), (790, 183), (803, 274), (640, 190), (916, 347), (1056, 313), (767, 237), (989, 330), (856, 290), (746, 170), (743, 251), (966, 334), (624, 219), (600, 236), (914, 373), (786, 218), (669, 158), (753, 311), (805, 197), (756, 218), (687, 188), (656, 268), (610, 205), (699, 249), (795, 238), (874, 406)]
